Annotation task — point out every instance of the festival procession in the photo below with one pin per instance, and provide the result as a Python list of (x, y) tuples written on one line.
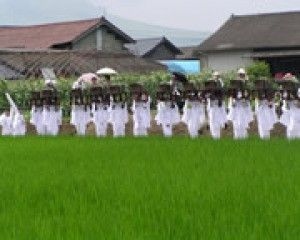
[(211, 105), (149, 120)]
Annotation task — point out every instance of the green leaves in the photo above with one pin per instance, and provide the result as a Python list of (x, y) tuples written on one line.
[(20, 90), (258, 70)]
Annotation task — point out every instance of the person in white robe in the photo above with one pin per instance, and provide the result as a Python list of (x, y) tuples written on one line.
[(194, 117), (241, 115), (36, 113), (167, 116), (266, 117), (80, 118), (100, 112), (6, 124), (52, 119), (52, 112), (193, 111), (217, 117), (141, 116), (118, 111), (80, 113), (118, 117), (291, 117), (18, 124), (36, 119)]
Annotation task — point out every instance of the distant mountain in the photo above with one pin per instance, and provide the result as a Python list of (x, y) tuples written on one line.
[(137, 30)]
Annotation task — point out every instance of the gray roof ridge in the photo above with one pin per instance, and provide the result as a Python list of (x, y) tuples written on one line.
[(265, 14), (51, 24)]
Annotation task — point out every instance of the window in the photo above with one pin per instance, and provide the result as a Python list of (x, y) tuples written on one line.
[(99, 40)]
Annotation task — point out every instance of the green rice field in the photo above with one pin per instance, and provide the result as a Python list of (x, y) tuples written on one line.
[(149, 188)]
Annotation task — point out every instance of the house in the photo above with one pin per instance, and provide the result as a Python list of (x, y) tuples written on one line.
[(154, 48), (188, 53), (19, 64), (273, 37), (165, 52), (70, 48), (94, 34)]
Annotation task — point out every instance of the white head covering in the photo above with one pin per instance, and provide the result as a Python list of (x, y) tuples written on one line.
[(216, 74), (106, 71), (49, 81), (239, 95), (289, 76), (241, 71), (79, 84)]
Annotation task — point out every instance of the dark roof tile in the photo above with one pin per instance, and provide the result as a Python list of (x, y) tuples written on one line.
[(143, 47), (275, 30), (30, 62), (46, 35)]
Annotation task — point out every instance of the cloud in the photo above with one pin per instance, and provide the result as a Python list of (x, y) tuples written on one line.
[(12, 12), (191, 14), (187, 14)]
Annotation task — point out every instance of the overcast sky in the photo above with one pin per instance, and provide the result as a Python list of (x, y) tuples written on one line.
[(192, 14), (186, 14)]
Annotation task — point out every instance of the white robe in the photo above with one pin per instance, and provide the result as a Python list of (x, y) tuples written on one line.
[(141, 118), (217, 117), (100, 119), (266, 117), (291, 119), (19, 125), (36, 119), (194, 116), (52, 119), (241, 116), (6, 123), (118, 117), (167, 116), (80, 117)]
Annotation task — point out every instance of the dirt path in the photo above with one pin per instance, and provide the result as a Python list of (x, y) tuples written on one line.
[(179, 130)]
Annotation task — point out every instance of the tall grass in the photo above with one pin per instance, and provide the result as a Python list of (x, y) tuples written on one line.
[(20, 90), (154, 188)]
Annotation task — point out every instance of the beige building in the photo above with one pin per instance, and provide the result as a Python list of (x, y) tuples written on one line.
[(274, 38)]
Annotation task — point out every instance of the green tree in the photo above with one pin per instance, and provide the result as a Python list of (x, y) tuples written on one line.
[(259, 69)]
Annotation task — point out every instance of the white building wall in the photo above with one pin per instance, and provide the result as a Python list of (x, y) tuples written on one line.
[(226, 61)]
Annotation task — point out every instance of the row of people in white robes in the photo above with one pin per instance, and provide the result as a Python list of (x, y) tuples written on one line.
[(195, 116), (241, 115), (101, 115), (116, 114)]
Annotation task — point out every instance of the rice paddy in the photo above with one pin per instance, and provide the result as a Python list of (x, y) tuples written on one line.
[(149, 188)]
